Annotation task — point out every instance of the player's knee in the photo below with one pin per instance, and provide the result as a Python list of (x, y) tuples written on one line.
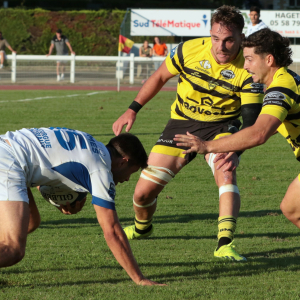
[(33, 225), (158, 175), (15, 253), (288, 211), (225, 178)]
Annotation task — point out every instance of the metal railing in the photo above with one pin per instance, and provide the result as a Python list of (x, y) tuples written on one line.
[(85, 69)]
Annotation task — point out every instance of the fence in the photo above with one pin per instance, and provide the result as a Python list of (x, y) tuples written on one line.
[(90, 70), (80, 69)]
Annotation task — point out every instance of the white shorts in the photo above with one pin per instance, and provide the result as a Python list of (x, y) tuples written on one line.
[(2, 51), (62, 61), (12, 178)]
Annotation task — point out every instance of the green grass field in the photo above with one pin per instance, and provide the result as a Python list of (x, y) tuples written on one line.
[(67, 257)]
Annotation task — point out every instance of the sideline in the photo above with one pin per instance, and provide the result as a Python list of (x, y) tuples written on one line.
[(51, 97), (77, 88)]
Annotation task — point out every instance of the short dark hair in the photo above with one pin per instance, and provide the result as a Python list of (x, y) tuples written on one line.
[(255, 8), (59, 31), (127, 144), (266, 41), (228, 16)]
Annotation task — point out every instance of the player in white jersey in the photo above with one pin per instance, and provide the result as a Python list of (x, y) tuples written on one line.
[(73, 160)]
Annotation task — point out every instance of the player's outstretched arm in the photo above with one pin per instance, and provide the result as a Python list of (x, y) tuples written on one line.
[(250, 137), (151, 87), (119, 245)]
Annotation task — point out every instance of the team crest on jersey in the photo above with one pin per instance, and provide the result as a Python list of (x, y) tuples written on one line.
[(205, 64), (228, 74)]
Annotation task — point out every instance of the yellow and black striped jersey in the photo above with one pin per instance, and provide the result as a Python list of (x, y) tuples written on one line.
[(282, 100), (206, 90)]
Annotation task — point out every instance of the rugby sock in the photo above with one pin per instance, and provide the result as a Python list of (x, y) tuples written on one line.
[(226, 227), (142, 226)]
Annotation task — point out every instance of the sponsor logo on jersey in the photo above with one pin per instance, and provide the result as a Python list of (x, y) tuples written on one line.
[(230, 88), (228, 74), (212, 85), (257, 85), (202, 71), (205, 64), (112, 191), (206, 101), (274, 96)]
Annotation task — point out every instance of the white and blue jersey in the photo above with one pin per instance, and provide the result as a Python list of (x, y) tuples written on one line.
[(66, 158)]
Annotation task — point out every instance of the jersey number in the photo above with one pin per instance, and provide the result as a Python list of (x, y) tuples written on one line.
[(70, 145)]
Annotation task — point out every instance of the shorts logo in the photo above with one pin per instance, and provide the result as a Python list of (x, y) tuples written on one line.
[(274, 96), (112, 191), (205, 64), (227, 74)]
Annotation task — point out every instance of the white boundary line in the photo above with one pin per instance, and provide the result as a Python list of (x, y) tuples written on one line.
[(52, 97)]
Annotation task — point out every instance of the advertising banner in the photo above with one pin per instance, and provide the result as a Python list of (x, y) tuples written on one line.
[(170, 22), (285, 22)]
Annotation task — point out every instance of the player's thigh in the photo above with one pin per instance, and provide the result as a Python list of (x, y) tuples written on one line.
[(14, 220), (14, 208), (151, 184), (291, 201)]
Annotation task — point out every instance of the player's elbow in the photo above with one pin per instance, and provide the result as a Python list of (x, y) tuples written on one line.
[(260, 138)]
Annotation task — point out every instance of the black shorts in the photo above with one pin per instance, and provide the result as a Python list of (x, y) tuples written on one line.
[(205, 130)]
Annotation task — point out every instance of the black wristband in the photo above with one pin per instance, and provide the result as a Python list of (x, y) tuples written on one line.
[(135, 106)]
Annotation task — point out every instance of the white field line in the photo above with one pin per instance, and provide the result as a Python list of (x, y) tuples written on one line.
[(52, 97)]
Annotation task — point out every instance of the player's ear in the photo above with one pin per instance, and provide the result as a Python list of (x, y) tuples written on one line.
[(123, 161)]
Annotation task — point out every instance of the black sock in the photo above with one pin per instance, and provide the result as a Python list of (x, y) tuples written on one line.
[(223, 241)]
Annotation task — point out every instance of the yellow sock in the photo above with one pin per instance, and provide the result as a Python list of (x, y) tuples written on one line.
[(142, 226), (226, 226)]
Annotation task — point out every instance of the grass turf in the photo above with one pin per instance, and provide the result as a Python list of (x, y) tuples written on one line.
[(67, 257)]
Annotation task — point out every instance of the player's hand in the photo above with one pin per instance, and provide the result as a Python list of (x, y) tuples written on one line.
[(146, 281), (48, 54), (127, 118), (227, 161), (72, 210), (191, 141)]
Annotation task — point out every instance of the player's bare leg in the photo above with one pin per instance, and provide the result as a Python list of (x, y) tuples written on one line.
[(229, 207), (147, 190), (57, 70), (1, 59), (290, 205), (34, 215), (14, 220)]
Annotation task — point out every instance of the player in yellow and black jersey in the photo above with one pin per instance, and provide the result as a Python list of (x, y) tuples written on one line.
[(213, 91), (267, 56), (208, 91)]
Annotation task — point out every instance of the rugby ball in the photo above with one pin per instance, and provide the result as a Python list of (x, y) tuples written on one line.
[(58, 196)]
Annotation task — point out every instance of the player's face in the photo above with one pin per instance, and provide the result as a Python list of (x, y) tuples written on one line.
[(256, 65), (226, 43), (124, 172), (58, 35), (254, 17)]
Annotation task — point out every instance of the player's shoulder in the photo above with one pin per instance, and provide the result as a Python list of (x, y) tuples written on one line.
[(286, 79), (54, 38), (196, 44), (64, 37)]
